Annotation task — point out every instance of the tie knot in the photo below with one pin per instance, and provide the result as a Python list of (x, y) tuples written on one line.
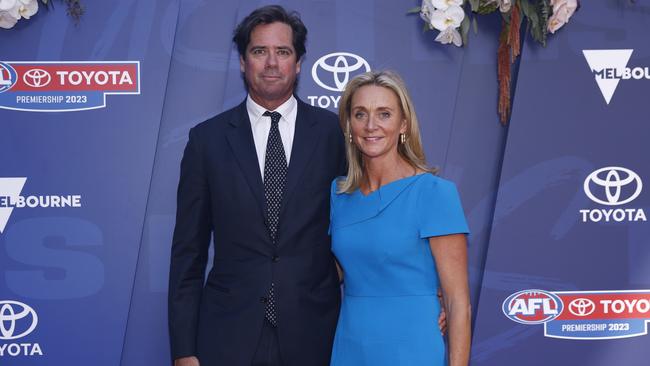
[(275, 116)]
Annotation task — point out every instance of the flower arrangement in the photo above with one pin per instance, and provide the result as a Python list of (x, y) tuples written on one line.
[(11, 11), (542, 16)]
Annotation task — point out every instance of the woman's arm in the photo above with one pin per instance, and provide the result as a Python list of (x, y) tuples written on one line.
[(450, 254)]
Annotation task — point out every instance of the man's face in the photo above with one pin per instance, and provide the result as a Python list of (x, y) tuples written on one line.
[(270, 66)]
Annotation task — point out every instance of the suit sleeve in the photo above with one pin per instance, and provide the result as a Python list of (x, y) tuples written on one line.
[(342, 168), (189, 252)]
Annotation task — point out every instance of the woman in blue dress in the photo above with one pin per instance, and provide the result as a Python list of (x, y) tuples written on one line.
[(398, 233)]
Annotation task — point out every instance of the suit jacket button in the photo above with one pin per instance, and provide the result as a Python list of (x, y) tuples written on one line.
[(275, 259), (263, 300)]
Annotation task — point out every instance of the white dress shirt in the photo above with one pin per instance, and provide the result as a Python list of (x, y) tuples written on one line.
[(261, 126)]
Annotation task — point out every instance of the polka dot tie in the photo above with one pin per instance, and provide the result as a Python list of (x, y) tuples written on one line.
[(275, 175)]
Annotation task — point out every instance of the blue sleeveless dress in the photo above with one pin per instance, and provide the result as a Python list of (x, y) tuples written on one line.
[(390, 308)]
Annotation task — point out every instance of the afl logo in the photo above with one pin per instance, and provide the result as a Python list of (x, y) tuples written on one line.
[(336, 70), (615, 186), (532, 306), (17, 320), (7, 77)]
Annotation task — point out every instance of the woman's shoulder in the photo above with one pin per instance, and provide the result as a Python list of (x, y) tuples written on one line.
[(334, 187), (433, 183), (429, 178)]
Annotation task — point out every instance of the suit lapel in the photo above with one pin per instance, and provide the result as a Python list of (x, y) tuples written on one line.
[(304, 143), (240, 138)]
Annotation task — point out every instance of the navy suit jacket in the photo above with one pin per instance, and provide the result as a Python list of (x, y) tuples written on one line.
[(221, 195)]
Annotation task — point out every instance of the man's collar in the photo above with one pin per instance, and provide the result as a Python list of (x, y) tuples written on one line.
[(255, 110)]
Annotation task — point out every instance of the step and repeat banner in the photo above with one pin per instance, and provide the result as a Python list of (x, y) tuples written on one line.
[(94, 119), (344, 39), (80, 110), (567, 275)]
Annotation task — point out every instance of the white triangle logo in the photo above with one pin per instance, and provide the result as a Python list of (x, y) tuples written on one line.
[(9, 187), (602, 63)]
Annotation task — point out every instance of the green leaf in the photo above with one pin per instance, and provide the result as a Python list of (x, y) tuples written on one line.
[(426, 27), (464, 30), (539, 28), (544, 14), (475, 25), (474, 4), (506, 16), (486, 8), (414, 10), (530, 12), (525, 7), (536, 25)]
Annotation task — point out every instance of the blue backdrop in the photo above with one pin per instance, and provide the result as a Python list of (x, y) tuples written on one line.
[(556, 227), (95, 276)]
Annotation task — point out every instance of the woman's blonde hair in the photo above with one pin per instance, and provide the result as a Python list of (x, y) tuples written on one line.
[(411, 150)]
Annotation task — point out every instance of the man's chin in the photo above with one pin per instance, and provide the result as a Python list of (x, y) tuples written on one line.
[(275, 94), (271, 96)]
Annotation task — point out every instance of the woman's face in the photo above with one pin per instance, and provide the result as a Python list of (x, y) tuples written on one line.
[(376, 121)]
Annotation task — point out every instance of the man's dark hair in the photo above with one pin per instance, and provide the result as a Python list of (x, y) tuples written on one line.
[(267, 15)]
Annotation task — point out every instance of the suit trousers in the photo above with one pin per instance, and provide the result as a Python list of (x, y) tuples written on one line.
[(268, 348)]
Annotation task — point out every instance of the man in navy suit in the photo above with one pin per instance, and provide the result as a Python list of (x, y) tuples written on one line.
[(256, 179)]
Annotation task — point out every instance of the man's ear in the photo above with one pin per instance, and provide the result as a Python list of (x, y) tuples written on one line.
[(241, 63)]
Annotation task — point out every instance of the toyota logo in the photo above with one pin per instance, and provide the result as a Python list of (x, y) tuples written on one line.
[(16, 319), (611, 181), (339, 66), (582, 307), (37, 78)]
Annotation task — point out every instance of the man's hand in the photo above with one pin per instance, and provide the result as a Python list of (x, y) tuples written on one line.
[(442, 319), (186, 361)]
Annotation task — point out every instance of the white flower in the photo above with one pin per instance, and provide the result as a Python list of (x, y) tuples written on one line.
[(11, 7), (505, 5), (7, 4), (571, 5), (562, 12), (443, 19), (27, 8), (12, 10), (445, 4), (7, 20), (426, 9), (450, 35)]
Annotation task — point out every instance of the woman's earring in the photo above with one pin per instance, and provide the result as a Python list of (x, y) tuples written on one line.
[(350, 137), (402, 138)]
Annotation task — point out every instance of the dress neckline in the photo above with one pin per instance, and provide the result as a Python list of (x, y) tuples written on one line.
[(371, 193)]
